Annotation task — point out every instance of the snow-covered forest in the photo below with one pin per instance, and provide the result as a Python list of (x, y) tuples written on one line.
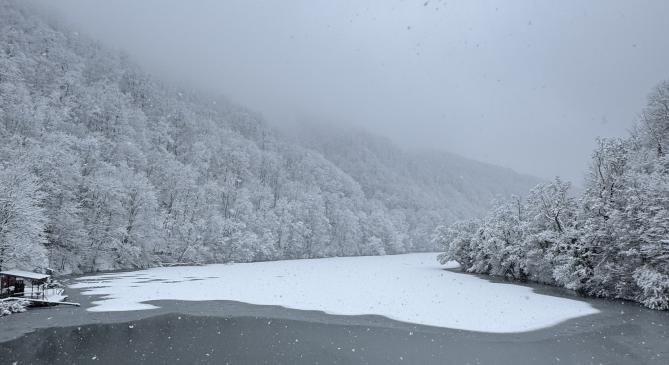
[(611, 241), (104, 167)]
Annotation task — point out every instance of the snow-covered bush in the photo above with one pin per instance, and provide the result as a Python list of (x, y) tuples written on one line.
[(8, 307), (654, 288)]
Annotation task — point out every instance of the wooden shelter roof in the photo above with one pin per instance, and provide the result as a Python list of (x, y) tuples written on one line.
[(25, 275)]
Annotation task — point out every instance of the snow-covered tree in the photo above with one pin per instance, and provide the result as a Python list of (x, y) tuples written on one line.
[(22, 219)]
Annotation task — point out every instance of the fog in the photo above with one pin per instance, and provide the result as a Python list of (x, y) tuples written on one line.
[(527, 85)]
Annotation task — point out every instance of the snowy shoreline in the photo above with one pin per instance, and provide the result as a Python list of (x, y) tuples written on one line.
[(411, 288)]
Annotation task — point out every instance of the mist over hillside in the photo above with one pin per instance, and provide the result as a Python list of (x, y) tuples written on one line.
[(412, 178), (427, 186), (104, 167)]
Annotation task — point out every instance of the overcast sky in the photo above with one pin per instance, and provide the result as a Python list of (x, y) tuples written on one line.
[(523, 84)]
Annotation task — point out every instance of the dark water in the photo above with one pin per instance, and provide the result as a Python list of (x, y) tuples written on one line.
[(210, 340), (222, 332)]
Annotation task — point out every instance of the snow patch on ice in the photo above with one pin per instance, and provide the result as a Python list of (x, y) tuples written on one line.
[(411, 288)]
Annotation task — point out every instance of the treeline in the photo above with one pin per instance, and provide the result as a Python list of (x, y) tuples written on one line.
[(102, 167), (612, 241)]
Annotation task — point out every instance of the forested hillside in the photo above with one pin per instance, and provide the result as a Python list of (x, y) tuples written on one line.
[(426, 186), (612, 241), (103, 167)]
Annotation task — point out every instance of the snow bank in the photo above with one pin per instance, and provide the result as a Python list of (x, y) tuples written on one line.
[(410, 288)]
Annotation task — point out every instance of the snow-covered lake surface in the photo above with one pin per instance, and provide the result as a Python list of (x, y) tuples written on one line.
[(410, 288)]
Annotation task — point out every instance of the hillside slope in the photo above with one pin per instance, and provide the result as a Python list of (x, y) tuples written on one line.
[(104, 167)]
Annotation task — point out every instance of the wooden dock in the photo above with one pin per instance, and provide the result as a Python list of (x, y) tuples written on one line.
[(40, 302), (49, 302)]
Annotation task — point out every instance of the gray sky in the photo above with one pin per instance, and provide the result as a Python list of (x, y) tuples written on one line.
[(524, 84)]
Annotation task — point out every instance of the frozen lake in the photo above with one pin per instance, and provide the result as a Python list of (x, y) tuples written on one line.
[(411, 288), (196, 315)]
